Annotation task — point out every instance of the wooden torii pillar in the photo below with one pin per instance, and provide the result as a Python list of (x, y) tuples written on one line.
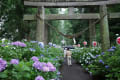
[(92, 31), (40, 30), (104, 28)]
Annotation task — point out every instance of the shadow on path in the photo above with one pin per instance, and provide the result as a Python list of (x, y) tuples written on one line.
[(74, 72)]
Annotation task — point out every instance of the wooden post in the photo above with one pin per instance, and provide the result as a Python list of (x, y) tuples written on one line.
[(40, 31), (46, 34), (71, 10), (92, 31), (104, 28)]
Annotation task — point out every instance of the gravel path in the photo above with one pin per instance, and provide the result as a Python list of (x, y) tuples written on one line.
[(74, 72)]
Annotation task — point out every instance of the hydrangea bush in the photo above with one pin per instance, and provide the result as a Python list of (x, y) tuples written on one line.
[(105, 64), (29, 61)]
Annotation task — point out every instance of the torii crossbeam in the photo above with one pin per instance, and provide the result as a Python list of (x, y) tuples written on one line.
[(42, 4), (69, 3)]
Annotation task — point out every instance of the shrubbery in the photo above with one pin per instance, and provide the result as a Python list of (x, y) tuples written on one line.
[(96, 62), (29, 61)]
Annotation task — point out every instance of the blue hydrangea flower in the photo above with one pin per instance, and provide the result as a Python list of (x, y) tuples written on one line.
[(97, 56), (41, 44), (111, 50), (58, 73), (54, 45), (33, 41), (32, 49), (41, 55), (54, 59), (101, 61), (113, 47), (50, 43), (106, 66), (102, 53)]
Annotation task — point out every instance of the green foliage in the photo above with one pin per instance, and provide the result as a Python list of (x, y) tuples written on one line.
[(104, 64), (25, 70)]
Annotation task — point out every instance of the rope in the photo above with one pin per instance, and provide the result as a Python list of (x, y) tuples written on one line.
[(76, 34)]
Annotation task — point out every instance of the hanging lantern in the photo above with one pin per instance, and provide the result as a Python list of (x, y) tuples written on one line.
[(118, 40), (94, 43), (84, 43), (78, 45)]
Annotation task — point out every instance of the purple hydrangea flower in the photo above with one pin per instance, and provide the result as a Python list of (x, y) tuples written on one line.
[(31, 49), (14, 61), (34, 58), (101, 61), (52, 69), (38, 65), (39, 78), (3, 45), (3, 64), (18, 43), (52, 79), (45, 69), (49, 64), (106, 66), (43, 63)]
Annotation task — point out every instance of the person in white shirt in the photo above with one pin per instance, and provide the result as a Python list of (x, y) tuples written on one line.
[(69, 54)]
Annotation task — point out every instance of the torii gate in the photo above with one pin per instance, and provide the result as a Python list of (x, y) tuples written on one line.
[(42, 4)]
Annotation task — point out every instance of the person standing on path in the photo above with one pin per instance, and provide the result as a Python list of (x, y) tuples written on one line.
[(69, 54), (65, 52)]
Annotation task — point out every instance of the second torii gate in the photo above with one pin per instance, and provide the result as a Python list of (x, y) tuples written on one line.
[(40, 36)]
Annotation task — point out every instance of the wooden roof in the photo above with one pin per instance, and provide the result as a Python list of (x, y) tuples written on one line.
[(69, 3)]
